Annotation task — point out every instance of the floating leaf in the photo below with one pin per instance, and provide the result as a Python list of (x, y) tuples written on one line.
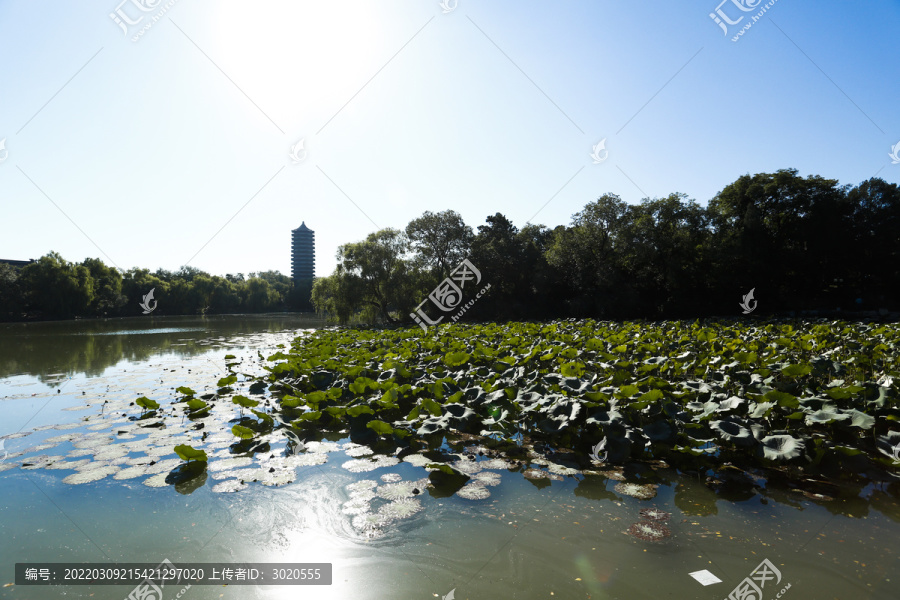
[(380, 427), (782, 447), (244, 401), (195, 405), (783, 399), (147, 403), (226, 381), (456, 359), (245, 433), (796, 370), (188, 453)]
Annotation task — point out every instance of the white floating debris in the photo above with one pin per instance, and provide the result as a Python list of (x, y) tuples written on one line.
[(705, 577)]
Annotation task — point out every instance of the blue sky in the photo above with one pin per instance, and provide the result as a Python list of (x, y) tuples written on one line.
[(175, 148)]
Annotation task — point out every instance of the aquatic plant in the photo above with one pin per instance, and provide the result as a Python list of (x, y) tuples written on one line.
[(473, 491), (636, 490), (758, 394), (649, 531), (654, 514), (400, 509)]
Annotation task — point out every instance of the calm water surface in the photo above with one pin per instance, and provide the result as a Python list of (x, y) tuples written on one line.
[(66, 394)]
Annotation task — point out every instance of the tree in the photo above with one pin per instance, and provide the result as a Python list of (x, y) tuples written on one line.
[(377, 274), (586, 253), (11, 300), (442, 241), (661, 253), (108, 296), (497, 255), (776, 232), (57, 288), (261, 297), (873, 251), (137, 283)]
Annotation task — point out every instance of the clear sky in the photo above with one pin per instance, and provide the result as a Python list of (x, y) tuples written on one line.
[(175, 148)]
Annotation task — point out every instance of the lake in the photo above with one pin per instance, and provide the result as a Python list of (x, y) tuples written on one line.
[(82, 480)]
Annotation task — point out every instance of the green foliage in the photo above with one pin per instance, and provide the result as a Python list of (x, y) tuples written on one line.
[(380, 427), (188, 453), (227, 381), (245, 433), (670, 390), (243, 401), (147, 403)]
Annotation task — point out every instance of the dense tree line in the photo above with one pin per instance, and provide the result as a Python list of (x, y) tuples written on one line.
[(800, 243), (54, 288)]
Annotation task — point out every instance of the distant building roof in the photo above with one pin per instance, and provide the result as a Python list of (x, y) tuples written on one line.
[(16, 263), (303, 227)]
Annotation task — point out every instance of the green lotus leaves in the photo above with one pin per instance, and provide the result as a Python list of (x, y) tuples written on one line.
[(188, 453), (291, 402), (227, 381), (690, 390), (362, 384), (825, 417), (732, 432), (572, 369), (196, 406), (456, 359), (782, 447), (844, 393), (660, 431), (796, 370), (380, 427), (245, 402), (783, 399), (859, 419), (147, 403), (186, 391), (245, 433), (266, 418), (313, 415), (626, 391), (356, 411)]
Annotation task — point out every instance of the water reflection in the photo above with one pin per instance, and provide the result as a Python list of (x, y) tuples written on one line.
[(50, 350)]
